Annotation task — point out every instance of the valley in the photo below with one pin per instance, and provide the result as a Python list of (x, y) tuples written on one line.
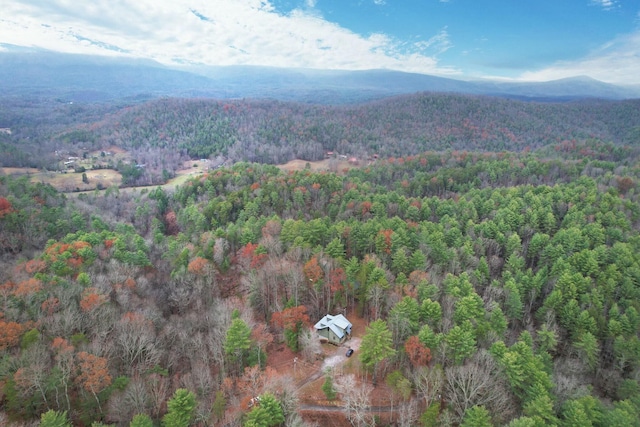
[(484, 251)]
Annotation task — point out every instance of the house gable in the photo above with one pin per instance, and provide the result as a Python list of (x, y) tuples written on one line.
[(335, 326)]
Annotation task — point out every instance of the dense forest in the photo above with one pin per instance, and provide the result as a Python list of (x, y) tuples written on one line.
[(163, 133), (499, 288)]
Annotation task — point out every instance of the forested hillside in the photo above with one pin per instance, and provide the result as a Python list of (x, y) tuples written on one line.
[(499, 288), (163, 133)]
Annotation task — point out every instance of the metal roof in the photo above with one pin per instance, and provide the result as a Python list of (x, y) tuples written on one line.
[(338, 324)]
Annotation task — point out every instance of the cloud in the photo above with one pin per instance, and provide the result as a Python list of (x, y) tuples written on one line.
[(211, 32), (617, 61), (436, 45), (605, 4), (380, 2)]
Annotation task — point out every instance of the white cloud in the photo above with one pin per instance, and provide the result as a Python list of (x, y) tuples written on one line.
[(605, 4), (213, 32), (437, 44), (380, 2), (615, 62)]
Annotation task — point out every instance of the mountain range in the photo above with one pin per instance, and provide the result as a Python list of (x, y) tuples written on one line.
[(25, 72)]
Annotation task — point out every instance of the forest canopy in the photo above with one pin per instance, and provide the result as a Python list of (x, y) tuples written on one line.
[(504, 286)]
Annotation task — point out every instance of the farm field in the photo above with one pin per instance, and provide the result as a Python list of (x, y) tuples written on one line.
[(71, 182)]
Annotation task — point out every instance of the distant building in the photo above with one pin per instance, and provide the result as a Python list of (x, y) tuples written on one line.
[(337, 329), (353, 160)]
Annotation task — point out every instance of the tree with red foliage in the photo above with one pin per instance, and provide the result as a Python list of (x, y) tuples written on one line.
[(197, 266), (383, 241), (91, 299), (94, 374), (366, 207), (419, 355), (10, 333), (5, 207), (171, 224), (625, 184), (252, 255), (336, 281), (313, 271), (291, 320)]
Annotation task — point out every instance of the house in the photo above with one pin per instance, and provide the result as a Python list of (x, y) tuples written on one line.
[(337, 329)]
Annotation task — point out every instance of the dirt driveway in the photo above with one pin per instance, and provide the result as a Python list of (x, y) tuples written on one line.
[(339, 355)]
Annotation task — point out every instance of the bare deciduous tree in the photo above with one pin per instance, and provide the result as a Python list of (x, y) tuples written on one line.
[(310, 343), (357, 399), (429, 383), (478, 383), (408, 413), (136, 339)]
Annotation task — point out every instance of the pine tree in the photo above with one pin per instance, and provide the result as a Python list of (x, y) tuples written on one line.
[(181, 407), (477, 416), (327, 387), (53, 418), (376, 345), (237, 343), (141, 420)]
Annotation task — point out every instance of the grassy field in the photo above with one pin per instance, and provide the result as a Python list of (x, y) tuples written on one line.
[(69, 181), (331, 165)]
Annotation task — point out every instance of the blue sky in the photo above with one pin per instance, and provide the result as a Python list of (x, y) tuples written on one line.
[(533, 40)]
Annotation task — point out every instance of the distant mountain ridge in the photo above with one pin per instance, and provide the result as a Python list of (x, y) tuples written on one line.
[(93, 78)]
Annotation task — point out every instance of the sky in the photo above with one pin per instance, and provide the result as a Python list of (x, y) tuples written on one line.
[(531, 40)]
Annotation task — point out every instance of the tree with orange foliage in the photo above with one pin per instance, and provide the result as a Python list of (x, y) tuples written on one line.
[(94, 374), (5, 207), (91, 299), (50, 306), (197, 265), (419, 355), (383, 241), (291, 320), (27, 287), (10, 333), (337, 280), (365, 207), (313, 271), (34, 266), (252, 255), (171, 224)]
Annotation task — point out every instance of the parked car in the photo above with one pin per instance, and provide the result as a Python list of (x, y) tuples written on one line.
[(349, 352)]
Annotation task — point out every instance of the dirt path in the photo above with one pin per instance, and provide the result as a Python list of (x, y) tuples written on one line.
[(336, 408), (339, 356)]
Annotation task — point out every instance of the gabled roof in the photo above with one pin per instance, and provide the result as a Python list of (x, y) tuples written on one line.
[(338, 324)]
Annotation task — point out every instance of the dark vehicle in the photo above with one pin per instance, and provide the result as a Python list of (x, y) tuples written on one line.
[(349, 352)]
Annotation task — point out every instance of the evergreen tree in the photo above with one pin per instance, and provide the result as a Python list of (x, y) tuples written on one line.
[(327, 387), (237, 343), (180, 409), (53, 418), (141, 420), (376, 345), (476, 416)]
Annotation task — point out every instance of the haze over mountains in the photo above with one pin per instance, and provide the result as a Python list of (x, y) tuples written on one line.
[(93, 78)]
